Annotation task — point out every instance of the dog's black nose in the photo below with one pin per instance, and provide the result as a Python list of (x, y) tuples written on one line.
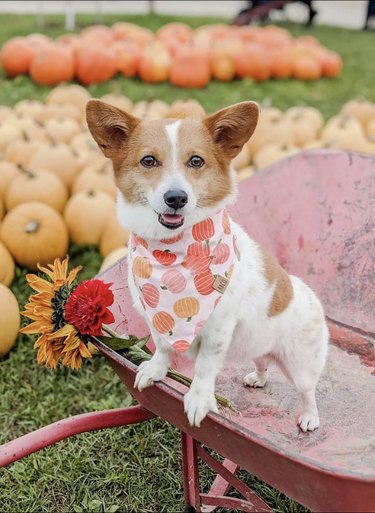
[(175, 199)]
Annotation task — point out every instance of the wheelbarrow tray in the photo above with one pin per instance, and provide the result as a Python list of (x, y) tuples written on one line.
[(315, 212)]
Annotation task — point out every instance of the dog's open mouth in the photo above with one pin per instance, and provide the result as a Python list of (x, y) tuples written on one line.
[(171, 221)]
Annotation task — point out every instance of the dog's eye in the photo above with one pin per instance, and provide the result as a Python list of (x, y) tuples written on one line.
[(149, 161), (196, 162)]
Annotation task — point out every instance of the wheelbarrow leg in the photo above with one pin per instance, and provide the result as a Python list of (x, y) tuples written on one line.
[(225, 479), (190, 473)]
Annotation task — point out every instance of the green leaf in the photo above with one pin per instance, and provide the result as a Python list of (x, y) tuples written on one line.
[(77, 509), (117, 343), (94, 505)]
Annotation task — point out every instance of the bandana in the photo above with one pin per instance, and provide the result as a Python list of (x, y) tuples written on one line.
[(181, 280)]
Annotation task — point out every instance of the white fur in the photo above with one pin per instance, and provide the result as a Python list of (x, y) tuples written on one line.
[(295, 339)]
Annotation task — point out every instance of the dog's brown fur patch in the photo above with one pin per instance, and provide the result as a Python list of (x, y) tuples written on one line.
[(277, 276)]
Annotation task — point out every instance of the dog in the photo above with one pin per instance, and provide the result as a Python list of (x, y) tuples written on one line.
[(175, 178)]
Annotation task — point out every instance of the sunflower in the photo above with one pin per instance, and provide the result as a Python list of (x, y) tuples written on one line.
[(57, 338)]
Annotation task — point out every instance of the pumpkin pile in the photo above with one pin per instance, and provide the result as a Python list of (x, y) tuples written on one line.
[(56, 186), (176, 52), (281, 134)]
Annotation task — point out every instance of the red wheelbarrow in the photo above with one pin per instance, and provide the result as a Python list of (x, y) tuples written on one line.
[(316, 212)]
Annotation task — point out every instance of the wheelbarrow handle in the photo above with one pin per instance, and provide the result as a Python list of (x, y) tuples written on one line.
[(48, 435)]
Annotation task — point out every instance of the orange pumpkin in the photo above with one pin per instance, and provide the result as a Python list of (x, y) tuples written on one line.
[(186, 307), (142, 267), (16, 56), (128, 57), (155, 64), (281, 63), (222, 65), (52, 64), (306, 67), (190, 68), (98, 35), (331, 63), (252, 61), (95, 64), (180, 345), (176, 31), (163, 322)]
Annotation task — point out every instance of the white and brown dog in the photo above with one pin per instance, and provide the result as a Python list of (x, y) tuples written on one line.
[(197, 289)]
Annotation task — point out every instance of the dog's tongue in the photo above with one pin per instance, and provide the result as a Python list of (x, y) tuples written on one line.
[(172, 218)]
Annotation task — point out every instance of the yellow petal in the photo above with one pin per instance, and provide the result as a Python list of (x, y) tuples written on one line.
[(84, 351)]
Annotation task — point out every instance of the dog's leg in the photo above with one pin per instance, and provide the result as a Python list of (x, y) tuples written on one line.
[(156, 368), (304, 370), (258, 378), (200, 399)]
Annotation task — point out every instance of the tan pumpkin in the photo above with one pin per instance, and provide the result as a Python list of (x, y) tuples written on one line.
[(8, 133), (113, 257), (5, 113), (114, 236), (72, 94), (85, 141), (30, 108), (303, 127), (150, 109), (34, 232), (62, 129), (2, 209), (272, 153), (37, 185), (59, 110), (243, 158), (119, 101), (56, 158), (360, 109), (311, 115), (371, 128), (8, 171), (28, 126), (7, 266), (344, 132), (186, 109), (274, 130), (97, 178), (246, 172), (10, 320), (21, 150), (86, 214)]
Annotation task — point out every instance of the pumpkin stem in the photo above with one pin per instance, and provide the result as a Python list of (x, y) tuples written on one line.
[(91, 193), (25, 136), (32, 226), (52, 140), (28, 172)]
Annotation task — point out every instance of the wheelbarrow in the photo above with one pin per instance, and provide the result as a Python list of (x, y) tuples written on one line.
[(316, 212)]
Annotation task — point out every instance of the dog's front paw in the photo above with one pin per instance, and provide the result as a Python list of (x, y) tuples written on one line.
[(308, 421), (253, 379), (197, 404), (149, 372)]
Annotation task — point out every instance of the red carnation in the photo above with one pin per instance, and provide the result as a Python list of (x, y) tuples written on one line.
[(87, 309)]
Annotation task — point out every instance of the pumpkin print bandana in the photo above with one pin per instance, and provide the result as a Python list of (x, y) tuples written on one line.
[(181, 280)]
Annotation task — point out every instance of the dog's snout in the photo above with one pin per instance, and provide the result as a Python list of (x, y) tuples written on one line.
[(175, 199)]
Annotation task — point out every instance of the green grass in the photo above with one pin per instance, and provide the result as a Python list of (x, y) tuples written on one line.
[(135, 468)]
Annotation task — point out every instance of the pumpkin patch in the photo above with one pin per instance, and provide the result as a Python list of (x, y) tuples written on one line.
[(187, 58)]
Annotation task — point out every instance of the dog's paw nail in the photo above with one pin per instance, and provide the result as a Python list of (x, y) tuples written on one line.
[(254, 380), (308, 422)]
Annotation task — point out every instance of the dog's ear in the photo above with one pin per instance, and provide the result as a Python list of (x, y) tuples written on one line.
[(231, 127), (109, 126)]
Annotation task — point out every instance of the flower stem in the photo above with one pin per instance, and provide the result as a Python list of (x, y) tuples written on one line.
[(138, 355)]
